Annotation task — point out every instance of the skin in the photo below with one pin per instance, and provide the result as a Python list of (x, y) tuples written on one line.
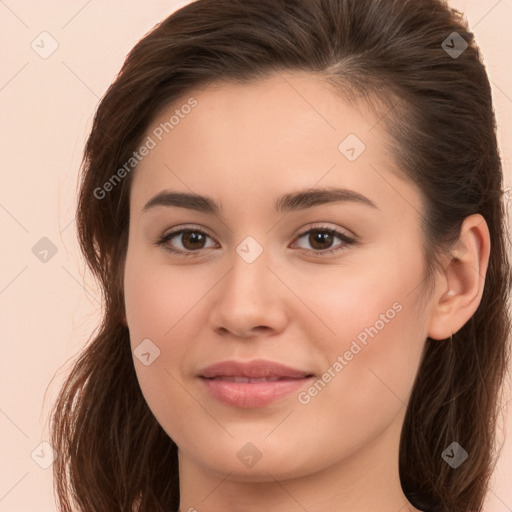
[(244, 146)]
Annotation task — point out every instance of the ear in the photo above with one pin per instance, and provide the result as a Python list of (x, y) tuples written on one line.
[(459, 291)]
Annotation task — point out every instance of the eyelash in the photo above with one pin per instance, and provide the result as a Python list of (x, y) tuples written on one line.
[(347, 241)]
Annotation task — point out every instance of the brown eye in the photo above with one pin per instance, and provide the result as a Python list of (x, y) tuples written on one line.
[(191, 240), (322, 239)]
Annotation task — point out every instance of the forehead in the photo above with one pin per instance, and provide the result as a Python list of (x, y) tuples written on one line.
[(246, 141), (295, 106)]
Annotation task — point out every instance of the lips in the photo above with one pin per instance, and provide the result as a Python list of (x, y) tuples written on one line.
[(252, 384), (255, 369), (247, 379)]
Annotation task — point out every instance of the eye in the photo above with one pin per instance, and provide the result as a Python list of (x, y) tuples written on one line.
[(191, 240), (321, 238)]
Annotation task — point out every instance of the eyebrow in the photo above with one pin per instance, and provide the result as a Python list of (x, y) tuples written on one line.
[(289, 202)]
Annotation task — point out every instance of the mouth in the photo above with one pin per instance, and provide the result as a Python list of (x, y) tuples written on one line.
[(240, 378), (253, 384), (255, 369)]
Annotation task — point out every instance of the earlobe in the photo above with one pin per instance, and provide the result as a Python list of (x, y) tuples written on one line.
[(459, 291)]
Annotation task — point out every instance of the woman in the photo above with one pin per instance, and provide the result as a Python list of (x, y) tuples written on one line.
[(294, 208)]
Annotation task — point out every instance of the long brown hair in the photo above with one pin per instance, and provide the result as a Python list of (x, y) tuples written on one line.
[(402, 57)]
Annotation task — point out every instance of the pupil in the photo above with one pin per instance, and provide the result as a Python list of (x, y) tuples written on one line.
[(320, 236), (192, 237)]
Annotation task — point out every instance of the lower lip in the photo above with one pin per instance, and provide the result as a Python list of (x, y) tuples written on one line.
[(250, 395)]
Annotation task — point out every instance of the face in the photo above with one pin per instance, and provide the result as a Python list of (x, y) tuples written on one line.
[(332, 289)]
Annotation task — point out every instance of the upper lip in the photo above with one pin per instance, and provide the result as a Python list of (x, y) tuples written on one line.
[(255, 369)]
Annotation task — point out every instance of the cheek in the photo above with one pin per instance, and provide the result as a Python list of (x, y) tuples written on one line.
[(159, 305), (165, 304), (374, 353), (159, 297)]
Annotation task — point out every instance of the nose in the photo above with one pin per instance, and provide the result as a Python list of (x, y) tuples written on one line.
[(250, 300)]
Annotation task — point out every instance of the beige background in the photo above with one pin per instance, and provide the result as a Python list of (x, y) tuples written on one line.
[(49, 309)]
